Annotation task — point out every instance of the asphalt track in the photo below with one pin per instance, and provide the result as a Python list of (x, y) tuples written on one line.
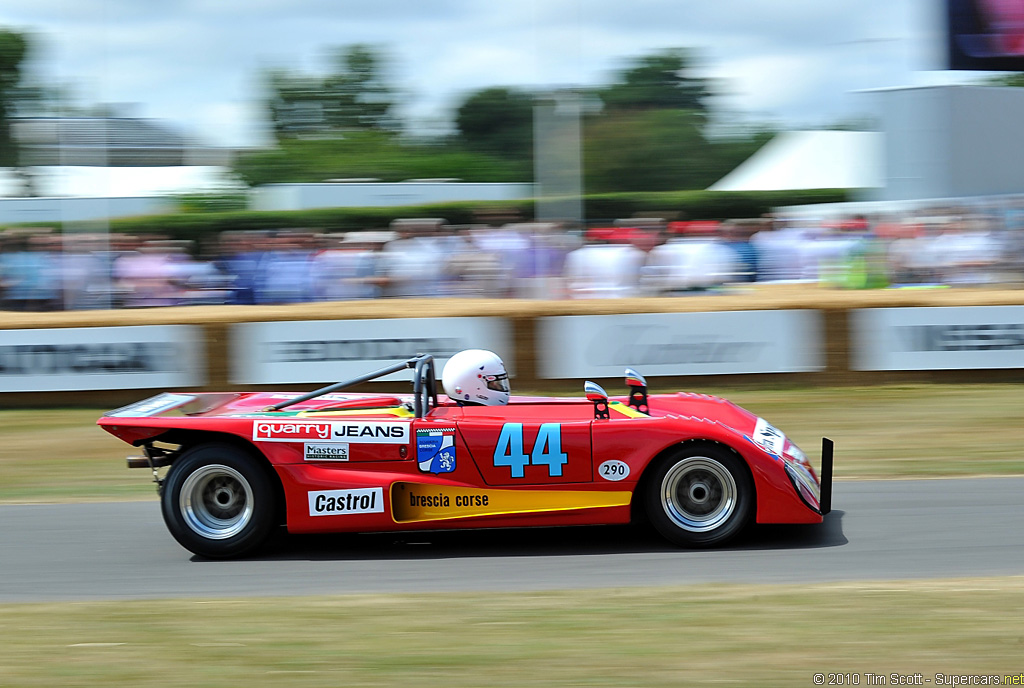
[(879, 530)]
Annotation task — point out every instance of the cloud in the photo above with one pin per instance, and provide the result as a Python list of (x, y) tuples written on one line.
[(185, 59)]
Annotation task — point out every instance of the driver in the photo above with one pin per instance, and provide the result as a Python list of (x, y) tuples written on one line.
[(476, 376)]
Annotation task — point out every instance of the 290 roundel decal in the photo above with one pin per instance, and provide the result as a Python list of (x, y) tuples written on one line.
[(613, 470)]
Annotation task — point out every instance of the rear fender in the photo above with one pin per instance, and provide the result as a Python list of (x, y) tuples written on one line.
[(187, 439)]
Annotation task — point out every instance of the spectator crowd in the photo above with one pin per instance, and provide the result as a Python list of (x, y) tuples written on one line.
[(43, 270)]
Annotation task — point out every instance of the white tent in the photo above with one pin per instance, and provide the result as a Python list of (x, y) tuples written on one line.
[(117, 182), (811, 160)]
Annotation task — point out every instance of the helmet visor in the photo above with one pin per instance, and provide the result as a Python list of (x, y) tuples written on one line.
[(499, 383)]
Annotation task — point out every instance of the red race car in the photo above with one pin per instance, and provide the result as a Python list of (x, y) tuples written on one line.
[(241, 464)]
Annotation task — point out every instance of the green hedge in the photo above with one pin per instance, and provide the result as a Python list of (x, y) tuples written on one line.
[(702, 205), (692, 205)]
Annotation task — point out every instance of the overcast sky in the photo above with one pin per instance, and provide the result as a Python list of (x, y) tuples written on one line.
[(196, 63)]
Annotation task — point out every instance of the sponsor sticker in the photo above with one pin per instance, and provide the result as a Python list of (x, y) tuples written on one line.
[(613, 470), (371, 432), (289, 431), (368, 500), (768, 437), (332, 451), (411, 502), (435, 450)]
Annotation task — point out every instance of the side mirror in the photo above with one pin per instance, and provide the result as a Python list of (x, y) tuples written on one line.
[(596, 394), (637, 384)]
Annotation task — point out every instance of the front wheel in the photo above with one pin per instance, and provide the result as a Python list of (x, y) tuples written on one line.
[(700, 496), (218, 501)]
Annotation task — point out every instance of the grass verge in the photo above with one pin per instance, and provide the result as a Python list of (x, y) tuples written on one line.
[(699, 635), (909, 431)]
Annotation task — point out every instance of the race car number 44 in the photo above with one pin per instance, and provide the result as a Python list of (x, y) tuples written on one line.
[(547, 449)]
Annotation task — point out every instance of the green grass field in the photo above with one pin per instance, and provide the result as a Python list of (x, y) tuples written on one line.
[(743, 635), (698, 635), (880, 432)]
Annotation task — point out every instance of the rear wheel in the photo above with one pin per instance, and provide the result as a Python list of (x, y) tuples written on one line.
[(218, 501), (700, 496)]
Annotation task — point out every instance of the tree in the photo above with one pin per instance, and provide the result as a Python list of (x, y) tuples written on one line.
[(497, 121), (658, 81), (653, 132), (655, 150), (355, 95), (660, 150), (370, 155), (14, 48)]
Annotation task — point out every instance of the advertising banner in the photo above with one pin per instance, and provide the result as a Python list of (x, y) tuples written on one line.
[(268, 353), (93, 358), (722, 343), (939, 338)]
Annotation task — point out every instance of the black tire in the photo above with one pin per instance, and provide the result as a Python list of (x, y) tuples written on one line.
[(218, 501), (701, 495)]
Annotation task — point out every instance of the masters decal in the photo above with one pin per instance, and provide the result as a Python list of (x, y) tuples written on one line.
[(435, 450), (367, 500), (331, 451), (417, 502)]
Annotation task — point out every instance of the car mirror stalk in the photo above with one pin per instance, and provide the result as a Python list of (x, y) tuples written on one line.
[(637, 384), (596, 394)]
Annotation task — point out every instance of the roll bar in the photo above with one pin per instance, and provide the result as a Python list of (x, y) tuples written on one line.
[(424, 384)]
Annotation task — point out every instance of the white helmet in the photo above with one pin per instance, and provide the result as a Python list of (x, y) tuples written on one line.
[(476, 376)]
